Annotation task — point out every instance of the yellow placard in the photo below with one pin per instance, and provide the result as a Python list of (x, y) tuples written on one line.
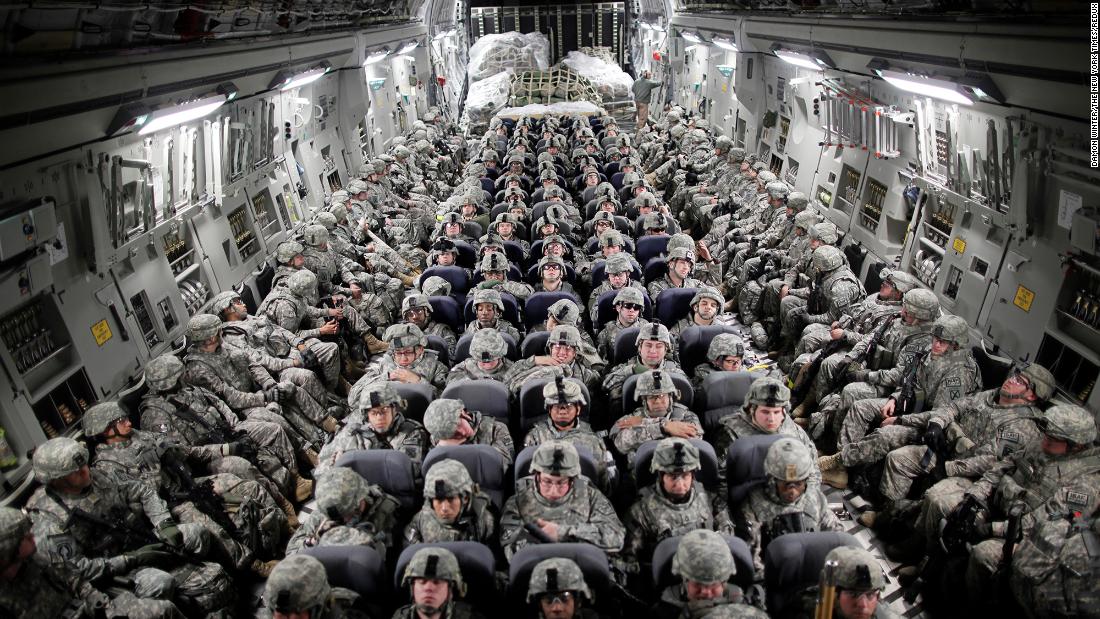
[(102, 332), (1023, 298), (959, 245)]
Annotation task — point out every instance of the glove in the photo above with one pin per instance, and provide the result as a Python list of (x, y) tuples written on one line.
[(241, 448), (273, 394), (330, 425), (152, 555), (287, 389), (857, 376), (934, 438), (308, 358), (170, 533)]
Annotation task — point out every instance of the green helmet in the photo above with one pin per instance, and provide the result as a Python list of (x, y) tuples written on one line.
[(298, 583), (826, 232), (556, 575), (611, 238), (565, 335), (326, 219), (303, 284), (488, 295), (675, 455), (725, 345), (618, 263), (645, 199), (777, 190), (442, 417), (806, 219), (436, 286), (340, 492), (14, 526), (99, 417), (952, 329), (654, 221), (797, 201), (827, 259), (703, 557), (654, 331), (766, 177), (57, 458), (556, 458), (707, 293), (287, 250), (680, 240), (856, 569), (900, 280), (222, 301), (920, 304), (415, 302), (656, 382), (487, 345), (1069, 422), (315, 235), (1041, 380), (629, 294), (680, 253), (789, 460), (378, 394), (493, 262), (768, 392), (545, 260), (404, 335), (435, 563), (202, 327), (562, 391), (446, 479), (163, 372), (565, 312)]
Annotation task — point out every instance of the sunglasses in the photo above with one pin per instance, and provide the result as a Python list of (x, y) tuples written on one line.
[(631, 306)]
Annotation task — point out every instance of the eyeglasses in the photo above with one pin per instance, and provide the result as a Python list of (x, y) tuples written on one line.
[(547, 484), (631, 307), (556, 267), (557, 597)]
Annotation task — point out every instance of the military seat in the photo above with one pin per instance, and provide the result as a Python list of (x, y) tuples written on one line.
[(650, 247), (417, 396), (390, 470), (441, 349), (694, 342), (589, 466), (793, 562), (486, 465), (462, 348), (445, 310), (487, 396), (592, 561), (486, 184), (534, 344), (538, 305), (745, 465), (514, 250), (655, 269), (532, 406), (472, 229), (707, 474), (666, 549), (722, 394), (687, 394), (994, 369), (673, 304), (459, 280), (475, 561), (625, 345), (359, 568)]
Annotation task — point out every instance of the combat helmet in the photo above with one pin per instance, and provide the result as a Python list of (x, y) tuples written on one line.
[(656, 382), (435, 563), (163, 372), (202, 327), (555, 575), (442, 417), (487, 345), (404, 335), (827, 259), (675, 455), (768, 392), (1069, 422), (788, 460), (448, 478), (954, 329), (856, 569), (298, 583), (725, 345), (556, 458), (563, 391), (100, 416), (57, 458), (703, 557), (921, 304)]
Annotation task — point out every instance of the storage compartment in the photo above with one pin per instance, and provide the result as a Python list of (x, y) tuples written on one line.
[(243, 235), (65, 405), (870, 211), (1071, 366)]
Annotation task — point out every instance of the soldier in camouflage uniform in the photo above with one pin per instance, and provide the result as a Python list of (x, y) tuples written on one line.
[(489, 312), (793, 292), (566, 358), (675, 504), (787, 502), (568, 312), (792, 268), (659, 415), (859, 583), (565, 401), (654, 344), (628, 313), (487, 360), (350, 512), (557, 589), (408, 360), (417, 309), (127, 515), (681, 264), (243, 384), (435, 582), (29, 588), (494, 268), (298, 587), (449, 423), (197, 419), (378, 422), (834, 292), (557, 504), (288, 260), (251, 524), (705, 307), (454, 510), (704, 563), (618, 269)]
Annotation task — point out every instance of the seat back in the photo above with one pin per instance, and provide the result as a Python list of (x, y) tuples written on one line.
[(625, 345), (462, 348), (475, 561), (445, 310), (532, 406), (589, 466), (745, 464), (514, 251), (511, 309), (249, 298), (793, 562), (673, 304), (472, 229), (605, 308), (666, 549), (263, 280), (534, 344), (994, 370), (488, 396), (359, 568), (722, 394), (592, 561), (130, 399), (649, 247), (441, 349), (390, 470), (687, 394), (694, 342), (874, 279), (460, 282), (485, 464), (655, 268), (417, 396), (707, 474)]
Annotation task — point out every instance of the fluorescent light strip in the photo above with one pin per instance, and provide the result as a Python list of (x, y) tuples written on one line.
[(926, 86), (374, 57), (725, 44), (302, 79), (406, 48), (179, 114), (799, 60)]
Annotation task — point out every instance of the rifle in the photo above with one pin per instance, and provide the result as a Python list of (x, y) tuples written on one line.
[(907, 396), (201, 494), (872, 344), (1014, 534), (826, 593), (809, 372), (959, 528)]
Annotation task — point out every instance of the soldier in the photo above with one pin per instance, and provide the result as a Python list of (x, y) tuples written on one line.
[(408, 360), (32, 588), (660, 414), (242, 517), (764, 412), (558, 591), (350, 511), (417, 310), (568, 312), (455, 509), (328, 266), (88, 527), (435, 582), (565, 358), (288, 260), (654, 345), (681, 263), (675, 504), (628, 305), (704, 563), (787, 502), (834, 291), (489, 313), (793, 292), (557, 504), (487, 360), (564, 403), (298, 587), (196, 418), (449, 423), (618, 269), (551, 270), (494, 268), (378, 422), (705, 307), (859, 584)]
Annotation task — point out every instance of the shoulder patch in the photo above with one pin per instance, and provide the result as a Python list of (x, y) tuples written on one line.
[(62, 548), (1077, 498)]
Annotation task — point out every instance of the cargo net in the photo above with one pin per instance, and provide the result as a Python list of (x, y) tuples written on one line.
[(554, 86), (598, 65), (510, 51)]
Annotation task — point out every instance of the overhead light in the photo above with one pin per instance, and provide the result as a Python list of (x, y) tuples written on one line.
[(179, 114), (691, 37), (406, 48), (376, 56), (287, 79), (815, 60), (963, 90), (229, 89), (724, 44), (129, 117)]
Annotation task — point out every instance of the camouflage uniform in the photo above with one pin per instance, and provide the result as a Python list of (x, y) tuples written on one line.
[(615, 380), (665, 282), (441, 564), (654, 382), (833, 294), (415, 302), (526, 370), (404, 435), (299, 584), (704, 557), (859, 571), (498, 322), (426, 366), (579, 433), (583, 515), (82, 551), (605, 341), (487, 346), (338, 519), (476, 522)]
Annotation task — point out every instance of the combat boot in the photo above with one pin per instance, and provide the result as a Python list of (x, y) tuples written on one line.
[(837, 478), (805, 408), (263, 568), (868, 518), (375, 346), (407, 279), (303, 488), (310, 455), (828, 463), (288, 509)]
